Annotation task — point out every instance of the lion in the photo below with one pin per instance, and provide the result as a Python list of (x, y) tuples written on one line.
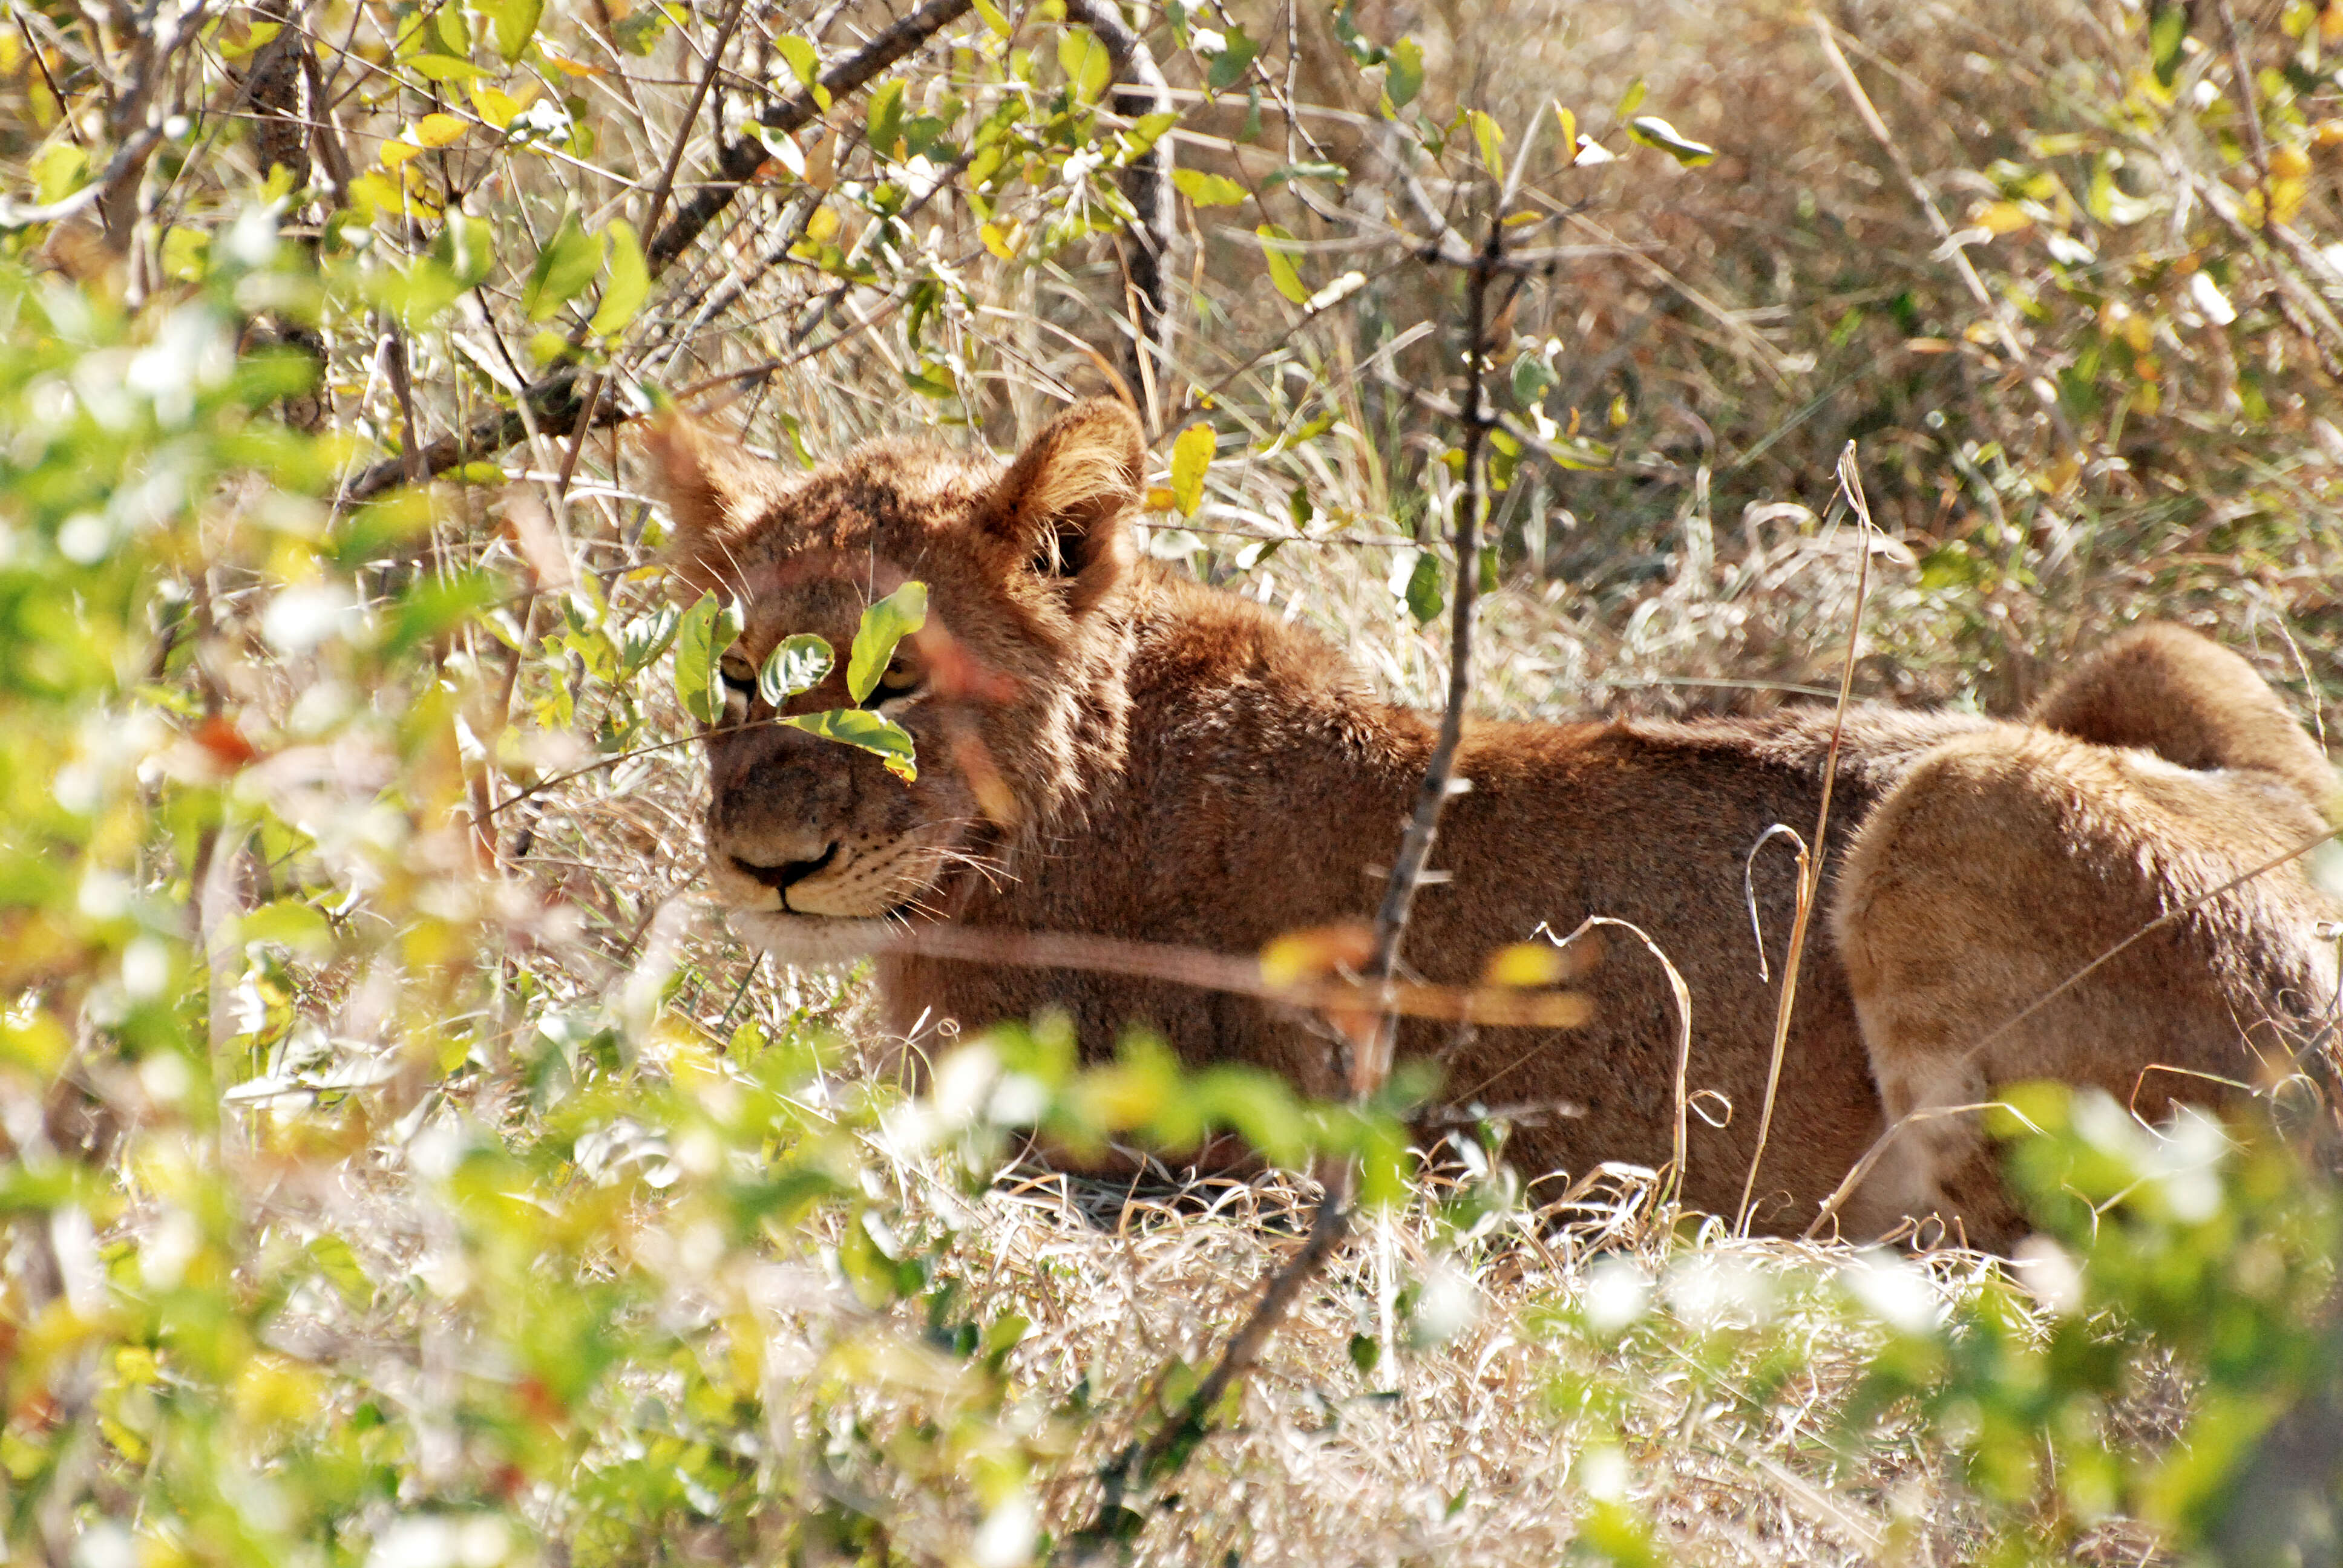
[(1106, 746)]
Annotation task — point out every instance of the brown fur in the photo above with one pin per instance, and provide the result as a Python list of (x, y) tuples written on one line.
[(1171, 764)]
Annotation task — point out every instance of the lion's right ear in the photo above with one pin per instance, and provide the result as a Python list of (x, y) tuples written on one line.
[(1061, 505), (714, 489)]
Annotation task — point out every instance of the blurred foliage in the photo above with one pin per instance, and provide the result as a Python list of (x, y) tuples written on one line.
[(2164, 1352)]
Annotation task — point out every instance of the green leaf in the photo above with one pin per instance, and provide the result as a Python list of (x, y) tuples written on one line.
[(2163, 37), (1207, 190), (567, 264), (629, 285), (708, 629), (186, 253), (1403, 73), (1235, 58), (1084, 59), (800, 55), (1633, 98), (293, 923), (62, 169), (339, 1265), (1654, 132), (467, 249), (1192, 454), (1423, 596), (886, 120), (797, 665), (1533, 378), (1490, 137), (931, 379), (884, 625), (433, 606), (514, 22), (804, 62), (875, 733), (444, 68), (1276, 245), (638, 32)]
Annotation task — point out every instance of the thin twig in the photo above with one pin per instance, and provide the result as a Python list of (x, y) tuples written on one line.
[(1369, 1066), (1811, 855), (740, 162)]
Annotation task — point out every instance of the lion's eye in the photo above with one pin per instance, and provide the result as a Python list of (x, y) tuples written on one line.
[(897, 681), (739, 674)]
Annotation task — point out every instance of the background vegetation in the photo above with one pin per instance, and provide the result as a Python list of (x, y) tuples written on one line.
[(402, 1166)]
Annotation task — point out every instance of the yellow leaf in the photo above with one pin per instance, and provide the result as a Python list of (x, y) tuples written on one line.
[(2286, 196), (573, 67), (1192, 455), (821, 228), (437, 130), (1159, 499), (2002, 218), (1312, 954), (1525, 966), (997, 242), (498, 107), (2289, 162), (396, 153)]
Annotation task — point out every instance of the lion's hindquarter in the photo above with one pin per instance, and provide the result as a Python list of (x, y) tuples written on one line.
[(1982, 890), (1655, 824)]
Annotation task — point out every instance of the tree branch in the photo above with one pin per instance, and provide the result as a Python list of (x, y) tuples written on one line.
[(555, 404), (1148, 243), (740, 161)]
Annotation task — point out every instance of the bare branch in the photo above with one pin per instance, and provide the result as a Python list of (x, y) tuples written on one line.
[(1150, 241), (555, 404), (740, 161)]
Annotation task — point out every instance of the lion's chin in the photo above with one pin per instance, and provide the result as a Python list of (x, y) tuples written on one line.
[(808, 939)]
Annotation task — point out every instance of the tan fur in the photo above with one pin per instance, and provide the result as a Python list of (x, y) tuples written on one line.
[(1108, 748)]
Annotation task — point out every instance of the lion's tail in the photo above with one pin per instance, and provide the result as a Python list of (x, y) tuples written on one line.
[(2190, 702)]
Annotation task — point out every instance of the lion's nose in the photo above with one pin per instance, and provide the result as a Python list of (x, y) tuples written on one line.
[(789, 873)]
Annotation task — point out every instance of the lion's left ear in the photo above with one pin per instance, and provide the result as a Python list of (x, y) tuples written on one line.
[(713, 487), (1062, 503)]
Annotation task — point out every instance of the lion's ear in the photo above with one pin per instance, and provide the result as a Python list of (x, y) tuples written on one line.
[(713, 487), (1062, 503)]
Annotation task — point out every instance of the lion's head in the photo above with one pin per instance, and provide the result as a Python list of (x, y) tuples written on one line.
[(1012, 693)]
